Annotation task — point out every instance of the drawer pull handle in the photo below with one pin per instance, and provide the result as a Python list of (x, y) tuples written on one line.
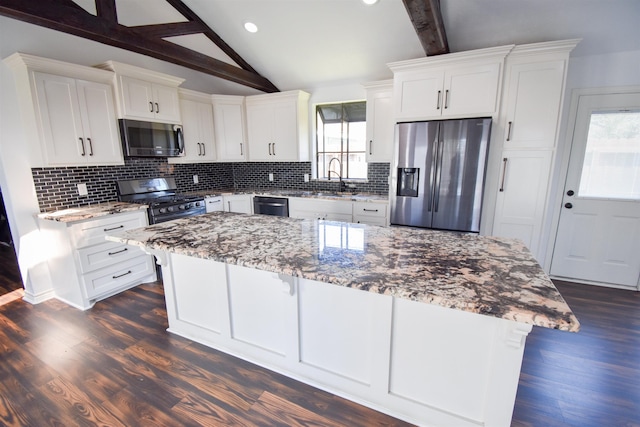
[(118, 252), (215, 201), (370, 210), (123, 274), (114, 228)]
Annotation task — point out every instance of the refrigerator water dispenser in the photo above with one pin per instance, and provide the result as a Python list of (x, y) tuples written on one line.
[(408, 179)]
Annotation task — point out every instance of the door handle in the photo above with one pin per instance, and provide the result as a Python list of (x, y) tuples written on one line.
[(568, 205), (446, 99), (504, 173), (370, 146), (157, 108), (274, 148), (241, 153), (90, 147), (82, 144), (509, 132), (150, 107), (439, 99)]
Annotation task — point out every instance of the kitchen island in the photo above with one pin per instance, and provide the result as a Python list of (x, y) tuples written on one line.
[(427, 326)]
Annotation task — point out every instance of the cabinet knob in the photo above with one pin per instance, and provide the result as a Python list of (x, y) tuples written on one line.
[(568, 205), (570, 193)]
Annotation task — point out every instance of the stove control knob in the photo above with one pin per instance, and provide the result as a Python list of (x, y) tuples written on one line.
[(182, 207), (162, 210), (171, 208)]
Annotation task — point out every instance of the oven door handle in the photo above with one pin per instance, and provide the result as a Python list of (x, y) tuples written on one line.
[(277, 205)]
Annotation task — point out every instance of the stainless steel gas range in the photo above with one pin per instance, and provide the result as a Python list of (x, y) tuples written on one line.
[(161, 194)]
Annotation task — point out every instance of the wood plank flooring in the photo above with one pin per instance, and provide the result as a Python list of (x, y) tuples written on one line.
[(115, 365), (10, 279)]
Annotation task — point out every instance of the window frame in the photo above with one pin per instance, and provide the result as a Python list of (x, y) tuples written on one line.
[(344, 153)]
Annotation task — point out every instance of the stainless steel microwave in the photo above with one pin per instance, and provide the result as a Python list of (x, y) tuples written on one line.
[(150, 139)]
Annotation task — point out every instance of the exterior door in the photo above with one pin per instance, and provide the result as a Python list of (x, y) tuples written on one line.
[(598, 238)]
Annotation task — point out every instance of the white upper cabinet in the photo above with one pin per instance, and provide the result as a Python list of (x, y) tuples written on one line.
[(148, 101), (144, 94), (532, 103), (229, 124), (380, 123), (464, 84), (68, 118), (197, 124), (277, 126)]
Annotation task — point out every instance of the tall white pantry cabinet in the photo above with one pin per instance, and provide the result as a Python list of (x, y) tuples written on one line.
[(521, 88), (527, 129)]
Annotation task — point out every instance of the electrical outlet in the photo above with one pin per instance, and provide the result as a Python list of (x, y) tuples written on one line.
[(306, 177), (270, 177), (82, 190), (195, 179)]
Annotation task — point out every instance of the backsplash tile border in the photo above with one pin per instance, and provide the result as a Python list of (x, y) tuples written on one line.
[(56, 188)]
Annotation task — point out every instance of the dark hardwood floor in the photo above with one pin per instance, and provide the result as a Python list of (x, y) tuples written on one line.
[(10, 279), (116, 365)]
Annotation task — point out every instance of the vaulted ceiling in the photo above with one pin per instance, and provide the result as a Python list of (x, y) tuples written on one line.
[(102, 21), (305, 44)]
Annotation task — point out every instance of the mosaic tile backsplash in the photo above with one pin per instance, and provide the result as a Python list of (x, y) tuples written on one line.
[(57, 188)]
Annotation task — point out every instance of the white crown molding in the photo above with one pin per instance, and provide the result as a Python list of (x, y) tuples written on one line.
[(23, 61)]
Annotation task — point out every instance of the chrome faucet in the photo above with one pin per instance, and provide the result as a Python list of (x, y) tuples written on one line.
[(329, 172)]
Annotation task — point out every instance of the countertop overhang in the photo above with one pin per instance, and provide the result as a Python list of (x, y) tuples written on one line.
[(479, 274)]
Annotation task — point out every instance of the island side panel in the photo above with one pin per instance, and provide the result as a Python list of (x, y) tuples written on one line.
[(422, 363)]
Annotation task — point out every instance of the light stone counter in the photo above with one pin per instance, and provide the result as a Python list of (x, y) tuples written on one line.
[(486, 275), (327, 195), (88, 212)]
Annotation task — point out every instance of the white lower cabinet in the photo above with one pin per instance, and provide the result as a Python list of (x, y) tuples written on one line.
[(86, 268), (370, 213), (214, 204), (240, 203), (454, 369), (522, 196), (332, 210)]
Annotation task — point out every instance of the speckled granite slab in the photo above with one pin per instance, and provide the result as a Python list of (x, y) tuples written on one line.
[(88, 212), (486, 275), (328, 195)]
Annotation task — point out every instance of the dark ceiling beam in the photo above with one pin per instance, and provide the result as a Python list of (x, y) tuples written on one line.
[(211, 35), (106, 10), (61, 16), (169, 30), (427, 21)]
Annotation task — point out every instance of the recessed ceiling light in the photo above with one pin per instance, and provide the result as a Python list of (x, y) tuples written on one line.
[(369, 2), (251, 27)]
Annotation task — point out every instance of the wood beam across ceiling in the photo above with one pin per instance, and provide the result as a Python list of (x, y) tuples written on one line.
[(427, 21), (68, 17)]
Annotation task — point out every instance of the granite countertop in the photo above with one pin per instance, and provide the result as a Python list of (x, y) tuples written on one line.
[(88, 212), (487, 275), (328, 195)]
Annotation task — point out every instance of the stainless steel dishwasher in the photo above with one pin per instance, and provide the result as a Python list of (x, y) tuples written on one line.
[(278, 206)]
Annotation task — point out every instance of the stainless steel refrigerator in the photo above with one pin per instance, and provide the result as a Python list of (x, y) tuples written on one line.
[(438, 178)]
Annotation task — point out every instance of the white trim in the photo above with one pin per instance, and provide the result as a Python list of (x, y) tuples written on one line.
[(476, 55)]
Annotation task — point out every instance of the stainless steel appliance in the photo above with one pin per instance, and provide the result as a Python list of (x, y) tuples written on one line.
[(278, 206), (438, 178), (165, 203), (150, 139)]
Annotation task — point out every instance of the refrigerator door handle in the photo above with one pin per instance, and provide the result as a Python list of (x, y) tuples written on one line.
[(436, 192)]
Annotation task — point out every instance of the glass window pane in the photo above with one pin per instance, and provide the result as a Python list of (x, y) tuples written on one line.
[(611, 167)]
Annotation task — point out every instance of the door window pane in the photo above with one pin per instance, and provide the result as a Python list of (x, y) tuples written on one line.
[(611, 167)]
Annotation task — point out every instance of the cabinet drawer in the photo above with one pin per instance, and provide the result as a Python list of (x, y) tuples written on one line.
[(320, 205), (378, 210), (92, 232), (105, 254), (107, 280)]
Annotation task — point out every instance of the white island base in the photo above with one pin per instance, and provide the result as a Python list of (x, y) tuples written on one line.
[(418, 362)]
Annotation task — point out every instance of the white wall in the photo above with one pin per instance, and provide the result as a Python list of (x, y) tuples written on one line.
[(594, 71)]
